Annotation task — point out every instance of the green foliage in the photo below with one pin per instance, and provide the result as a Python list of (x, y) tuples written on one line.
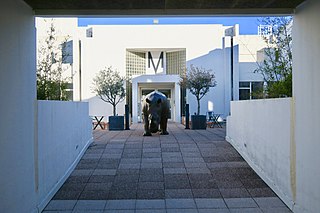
[(50, 83), (108, 85), (198, 81), (276, 67)]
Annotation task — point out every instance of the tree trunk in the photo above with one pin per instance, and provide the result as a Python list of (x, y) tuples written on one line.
[(198, 101), (114, 110)]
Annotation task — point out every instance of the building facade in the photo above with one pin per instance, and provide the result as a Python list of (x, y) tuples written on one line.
[(152, 57)]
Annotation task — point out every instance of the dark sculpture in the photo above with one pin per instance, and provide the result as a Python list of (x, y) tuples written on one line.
[(156, 111)]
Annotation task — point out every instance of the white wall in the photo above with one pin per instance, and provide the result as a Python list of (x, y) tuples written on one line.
[(109, 43), (64, 133), (17, 95), (261, 131), (306, 87)]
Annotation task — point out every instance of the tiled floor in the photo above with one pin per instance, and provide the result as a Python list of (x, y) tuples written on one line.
[(185, 171)]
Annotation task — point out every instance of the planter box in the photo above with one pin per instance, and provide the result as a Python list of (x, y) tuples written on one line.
[(116, 122), (198, 122)]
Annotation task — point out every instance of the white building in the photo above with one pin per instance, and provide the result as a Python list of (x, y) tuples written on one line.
[(155, 55)]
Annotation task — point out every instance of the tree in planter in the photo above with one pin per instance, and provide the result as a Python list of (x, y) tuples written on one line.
[(51, 85), (198, 81), (276, 68), (108, 85)]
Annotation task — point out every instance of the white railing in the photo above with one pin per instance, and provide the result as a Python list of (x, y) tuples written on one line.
[(64, 132), (262, 132)]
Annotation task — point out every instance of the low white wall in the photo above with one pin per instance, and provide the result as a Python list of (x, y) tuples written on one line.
[(261, 131), (64, 133)]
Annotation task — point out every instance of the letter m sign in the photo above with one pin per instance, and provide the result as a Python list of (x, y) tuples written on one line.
[(151, 62)]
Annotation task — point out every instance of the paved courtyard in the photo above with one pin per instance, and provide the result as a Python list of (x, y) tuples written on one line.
[(185, 171)]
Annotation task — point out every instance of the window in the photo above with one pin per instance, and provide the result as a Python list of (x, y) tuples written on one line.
[(249, 90)]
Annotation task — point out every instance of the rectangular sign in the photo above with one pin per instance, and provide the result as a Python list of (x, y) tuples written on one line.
[(155, 63)]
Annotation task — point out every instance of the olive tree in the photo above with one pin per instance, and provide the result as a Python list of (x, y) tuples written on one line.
[(198, 80), (276, 68), (109, 86), (51, 84)]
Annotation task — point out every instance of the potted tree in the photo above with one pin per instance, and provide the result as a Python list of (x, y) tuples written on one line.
[(109, 86), (198, 80)]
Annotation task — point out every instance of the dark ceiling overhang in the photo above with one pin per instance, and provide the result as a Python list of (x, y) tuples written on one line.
[(163, 7)]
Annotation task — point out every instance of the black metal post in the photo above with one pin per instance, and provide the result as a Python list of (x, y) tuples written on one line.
[(231, 61), (126, 107), (187, 116)]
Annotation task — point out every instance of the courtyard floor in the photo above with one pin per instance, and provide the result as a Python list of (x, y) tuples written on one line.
[(185, 171)]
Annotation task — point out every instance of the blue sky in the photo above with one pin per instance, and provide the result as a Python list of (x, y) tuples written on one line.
[(248, 25)]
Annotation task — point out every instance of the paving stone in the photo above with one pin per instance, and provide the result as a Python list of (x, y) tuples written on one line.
[(149, 211), (151, 155), (206, 184), (69, 186), (235, 193), (78, 179), (240, 203), (261, 192), (67, 195), (101, 179), (94, 195), (206, 193), (90, 205), (213, 211), (229, 184), (150, 204), (174, 171), (151, 165), (111, 156), (61, 205), (82, 172), (150, 194), (178, 193), (151, 185), (276, 210), (198, 171), (98, 186), (119, 211), (254, 183), (120, 204), (245, 210), (104, 172), (269, 202), (173, 165), (210, 203), (180, 204), (182, 211), (120, 194), (171, 155)]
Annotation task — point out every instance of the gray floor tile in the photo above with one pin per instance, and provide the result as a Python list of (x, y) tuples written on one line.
[(180, 204), (150, 204), (119, 211), (90, 205), (120, 204), (150, 211), (240, 203), (182, 211), (269, 202), (178, 193), (245, 210), (210, 203), (61, 205)]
